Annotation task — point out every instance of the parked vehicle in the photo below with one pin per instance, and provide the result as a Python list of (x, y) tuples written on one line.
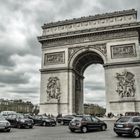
[(86, 123), (6, 113), (59, 118), (19, 121), (4, 124), (66, 119), (132, 114), (128, 125), (28, 116), (44, 121)]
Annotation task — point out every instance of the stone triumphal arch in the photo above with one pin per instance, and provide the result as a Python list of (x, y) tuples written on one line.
[(70, 46)]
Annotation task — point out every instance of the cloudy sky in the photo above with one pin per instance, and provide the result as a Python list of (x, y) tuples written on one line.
[(20, 52)]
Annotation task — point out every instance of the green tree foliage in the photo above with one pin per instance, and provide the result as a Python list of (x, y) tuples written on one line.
[(94, 109)]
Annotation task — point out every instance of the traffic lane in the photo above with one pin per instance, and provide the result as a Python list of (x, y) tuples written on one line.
[(61, 133)]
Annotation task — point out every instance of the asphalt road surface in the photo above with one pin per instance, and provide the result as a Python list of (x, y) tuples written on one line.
[(60, 132)]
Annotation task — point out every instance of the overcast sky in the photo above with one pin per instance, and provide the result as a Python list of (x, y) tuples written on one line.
[(20, 52)]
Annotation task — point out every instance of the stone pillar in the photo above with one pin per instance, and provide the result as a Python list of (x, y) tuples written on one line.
[(54, 97)]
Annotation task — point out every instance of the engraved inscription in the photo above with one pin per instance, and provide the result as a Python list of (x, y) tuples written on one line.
[(123, 51), (54, 58), (126, 84)]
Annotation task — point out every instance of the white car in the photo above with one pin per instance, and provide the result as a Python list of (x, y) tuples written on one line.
[(5, 113), (4, 124)]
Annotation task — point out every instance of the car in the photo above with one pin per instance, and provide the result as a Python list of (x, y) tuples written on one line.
[(6, 113), (66, 119), (128, 125), (59, 118), (132, 114), (19, 121), (4, 124), (86, 123), (28, 116), (44, 120)]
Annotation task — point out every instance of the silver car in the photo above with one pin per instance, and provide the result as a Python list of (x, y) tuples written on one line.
[(4, 124)]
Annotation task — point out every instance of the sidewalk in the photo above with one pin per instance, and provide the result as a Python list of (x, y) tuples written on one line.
[(108, 119)]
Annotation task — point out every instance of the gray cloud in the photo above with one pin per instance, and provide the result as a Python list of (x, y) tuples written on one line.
[(119, 5), (2, 85), (14, 78), (5, 60), (20, 52), (93, 87), (25, 90)]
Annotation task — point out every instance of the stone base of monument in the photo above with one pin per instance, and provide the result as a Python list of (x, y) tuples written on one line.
[(54, 108), (126, 104)]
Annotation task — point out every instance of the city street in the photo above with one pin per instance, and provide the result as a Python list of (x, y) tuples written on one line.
[(60, 133)]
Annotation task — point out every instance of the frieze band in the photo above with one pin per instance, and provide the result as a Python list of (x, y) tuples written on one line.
[(89, 24), (100, 20)]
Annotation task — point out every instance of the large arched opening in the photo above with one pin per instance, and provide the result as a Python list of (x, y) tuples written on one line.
[(94, 90), (82, 60)]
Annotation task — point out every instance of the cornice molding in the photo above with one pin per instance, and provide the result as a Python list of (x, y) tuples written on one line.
[(50, 103), (91, 18), (59, 70), (62, 69), (134, 63), (124, 101)]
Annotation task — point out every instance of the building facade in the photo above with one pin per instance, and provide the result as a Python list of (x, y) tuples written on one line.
[(16, 105)]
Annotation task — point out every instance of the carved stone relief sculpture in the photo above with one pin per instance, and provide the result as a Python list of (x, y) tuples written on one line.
[(53, 88), (54, 58), (123, 51), (72, 51), (99, 47), (126, 84)]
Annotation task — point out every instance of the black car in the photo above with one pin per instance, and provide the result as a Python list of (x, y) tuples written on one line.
[(132, 114), (59, 118), (128, 125), (19, 121), (44, 121), (87, 123), (66, 119)]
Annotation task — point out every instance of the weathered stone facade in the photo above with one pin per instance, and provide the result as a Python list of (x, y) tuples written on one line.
[(70, 46)]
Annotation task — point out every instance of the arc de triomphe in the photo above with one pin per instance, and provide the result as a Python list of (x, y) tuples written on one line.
[(70, 46)]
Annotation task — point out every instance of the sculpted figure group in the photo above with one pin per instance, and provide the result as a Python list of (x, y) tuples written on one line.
[(125, 84), (53, 88)]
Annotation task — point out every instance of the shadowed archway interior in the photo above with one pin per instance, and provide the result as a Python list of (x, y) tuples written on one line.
[(81, 62), (85, 59)]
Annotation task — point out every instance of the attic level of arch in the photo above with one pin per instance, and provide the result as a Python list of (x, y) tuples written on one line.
[(90, 37), (93, 31)]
